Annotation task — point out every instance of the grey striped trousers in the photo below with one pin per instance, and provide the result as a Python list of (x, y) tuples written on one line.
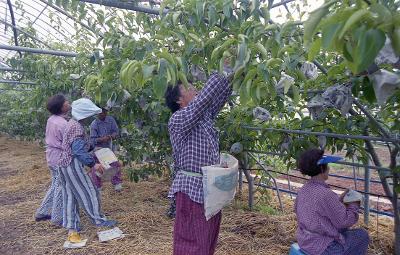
[(52, 202), (78, 190)]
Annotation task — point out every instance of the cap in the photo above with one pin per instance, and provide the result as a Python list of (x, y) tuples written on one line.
[(328, 159)]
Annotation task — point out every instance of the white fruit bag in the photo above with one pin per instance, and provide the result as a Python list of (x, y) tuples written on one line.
[(106, 157), (352, 196), (219, 184), (385, 84), (309, 70), (110, 234)]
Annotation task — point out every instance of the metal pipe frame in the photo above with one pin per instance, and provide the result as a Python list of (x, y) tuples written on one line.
[(71, 17), (66, 36), (263, 185), (339, 162), (10, 69), (367, 181), (18, 82), (40, 14), (306, 179), (154, 11), (25, 33), (40, 28), (10, 8), (271, 177), (126, 6), (334, 135), (39, 51), (39, 31)]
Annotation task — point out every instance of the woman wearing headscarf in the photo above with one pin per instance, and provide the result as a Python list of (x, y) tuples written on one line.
[(78, 189), (51, 206)]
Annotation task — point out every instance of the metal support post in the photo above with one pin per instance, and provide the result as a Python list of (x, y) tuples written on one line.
[(367, 182)]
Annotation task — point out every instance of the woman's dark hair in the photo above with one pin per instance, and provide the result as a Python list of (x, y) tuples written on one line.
[(55, 104), (172, 96), (307, 163)]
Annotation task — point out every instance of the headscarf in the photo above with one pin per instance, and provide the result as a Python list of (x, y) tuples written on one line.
[(84, 108)]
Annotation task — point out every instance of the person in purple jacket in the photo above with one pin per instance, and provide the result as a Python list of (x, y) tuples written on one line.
[(323, 219), (51, 206)]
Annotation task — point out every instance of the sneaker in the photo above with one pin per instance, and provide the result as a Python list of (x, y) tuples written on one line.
[(42, 217), (118, 187), (108, 223), (74, 237)]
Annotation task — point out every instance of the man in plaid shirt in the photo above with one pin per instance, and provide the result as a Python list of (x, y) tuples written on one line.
[(195, 144)]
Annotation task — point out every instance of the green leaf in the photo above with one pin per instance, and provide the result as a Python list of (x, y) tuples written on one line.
[(314, 49), (265, 14), (162, 67), (175, 17), (241, 54), (227, 9), (159, 86), (148, 71), (347, 49), (200, 10), (328, 35), (286, 86), (255, 5), (368, 91), (183, 79), (212, 15), (358, 15), (395, 37), (311, 24), (384, 16), (65, 4), (296, 94), (368, 47)]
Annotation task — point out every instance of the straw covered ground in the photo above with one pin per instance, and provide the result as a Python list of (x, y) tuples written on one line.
[(140, 210)]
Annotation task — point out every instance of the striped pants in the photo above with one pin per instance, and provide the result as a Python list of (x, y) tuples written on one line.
[(52, 202), (193, 234), (78, 190)]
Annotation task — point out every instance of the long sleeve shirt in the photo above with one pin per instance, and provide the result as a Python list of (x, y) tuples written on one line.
[(99, 128), (321, 216), (54, 136), (80, 151), (194, 139)]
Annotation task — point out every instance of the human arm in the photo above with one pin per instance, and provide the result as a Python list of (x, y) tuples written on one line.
[(185, 119), (79, 151), (340, 215), (220, 101), (95, 135)]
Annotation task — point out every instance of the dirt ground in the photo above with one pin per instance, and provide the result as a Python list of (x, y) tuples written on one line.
[(140, 210)]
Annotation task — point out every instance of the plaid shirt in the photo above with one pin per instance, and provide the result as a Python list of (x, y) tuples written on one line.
[(194, 139)]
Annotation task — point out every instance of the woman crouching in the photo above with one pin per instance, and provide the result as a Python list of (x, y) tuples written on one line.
[(323, 220), (78, 189)]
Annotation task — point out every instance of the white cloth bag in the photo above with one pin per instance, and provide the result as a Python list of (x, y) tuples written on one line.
[(219, 184)]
